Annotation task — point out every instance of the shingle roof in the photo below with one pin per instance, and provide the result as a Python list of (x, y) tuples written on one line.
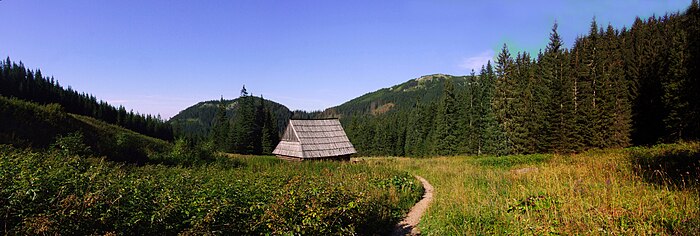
[(314, 139)]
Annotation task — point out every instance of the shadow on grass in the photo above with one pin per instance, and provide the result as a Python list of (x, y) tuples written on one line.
[(675, 166)]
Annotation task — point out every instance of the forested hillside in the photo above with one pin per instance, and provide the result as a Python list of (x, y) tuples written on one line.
[(613, 88), (253, 129), (195, 122), (16, 81), (27, 124), (425, 89)]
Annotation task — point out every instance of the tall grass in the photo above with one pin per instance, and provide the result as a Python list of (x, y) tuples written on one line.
[(54, 192), (598, 192)]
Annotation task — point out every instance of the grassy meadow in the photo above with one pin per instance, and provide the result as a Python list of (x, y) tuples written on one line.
[(56, 192), (636, 191), (86, 177)]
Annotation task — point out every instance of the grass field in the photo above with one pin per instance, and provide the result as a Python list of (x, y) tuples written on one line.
[(634, 191), (638, 191), (51, 192)]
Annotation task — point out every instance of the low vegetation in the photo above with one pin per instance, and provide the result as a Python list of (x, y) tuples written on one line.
[(27, 124), (636, 191), (58, 192)]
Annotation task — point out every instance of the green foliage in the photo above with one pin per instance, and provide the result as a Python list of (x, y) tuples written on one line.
[(246, 125), (196, 122), (505, 96), (446, 133), (186, 153), (676, 166), (45, 193), (27, 124), (270, 134), (72, 144), (247, 130), (16, 81), (424, 90), (220, 135), (533, 203)]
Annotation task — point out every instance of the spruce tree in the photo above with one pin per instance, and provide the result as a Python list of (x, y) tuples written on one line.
[(618, 106), (521, 104), (468, 109), (492, 141), (550, 68), (445, 137), (503, 99), (691, 24), (244, 126), (675, 97), (270, 135), (219, 135)]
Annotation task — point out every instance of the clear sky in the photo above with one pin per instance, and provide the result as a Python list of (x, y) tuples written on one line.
[(160, 57)]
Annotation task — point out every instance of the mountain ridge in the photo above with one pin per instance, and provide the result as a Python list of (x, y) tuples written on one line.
[(196, 121), (424, 89)]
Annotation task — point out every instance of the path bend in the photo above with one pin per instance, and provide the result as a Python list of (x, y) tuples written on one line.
[(409, 225)]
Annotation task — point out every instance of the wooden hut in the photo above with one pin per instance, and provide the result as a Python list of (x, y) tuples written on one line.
[(314, 140)]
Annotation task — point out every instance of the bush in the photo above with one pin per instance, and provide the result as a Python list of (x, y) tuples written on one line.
[(49, 193), (128, 149), (71, 144)]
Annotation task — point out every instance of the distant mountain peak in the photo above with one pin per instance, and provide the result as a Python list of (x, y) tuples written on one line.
[(433, 76)]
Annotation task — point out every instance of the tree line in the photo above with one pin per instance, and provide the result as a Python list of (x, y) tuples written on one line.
[(19, 82), (253, 130), (613, 88)]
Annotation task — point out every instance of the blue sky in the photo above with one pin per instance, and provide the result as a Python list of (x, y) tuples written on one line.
[(160, 57)]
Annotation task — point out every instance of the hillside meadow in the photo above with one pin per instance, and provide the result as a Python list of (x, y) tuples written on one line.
[(636, 191)]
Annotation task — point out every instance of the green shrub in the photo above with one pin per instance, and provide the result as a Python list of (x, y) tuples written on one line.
[(71, 144), (50, 193), (128, 149)]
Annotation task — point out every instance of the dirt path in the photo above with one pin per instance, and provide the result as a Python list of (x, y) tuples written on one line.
[(409, 224)]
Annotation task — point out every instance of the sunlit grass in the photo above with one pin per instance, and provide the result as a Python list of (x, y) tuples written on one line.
[(597, 192)]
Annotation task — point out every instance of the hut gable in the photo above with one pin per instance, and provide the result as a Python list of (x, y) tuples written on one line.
[(314, 139)]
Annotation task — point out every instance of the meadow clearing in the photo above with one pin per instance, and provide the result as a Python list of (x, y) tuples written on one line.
[(635, 191)]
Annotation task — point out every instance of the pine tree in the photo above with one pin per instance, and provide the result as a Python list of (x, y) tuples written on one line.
[(219, 135), (492, 141), (550, 67), (468, 109), (521, 104), (505, 93), (418, 130), (446, 141), (675, 97), (618, 106), (270, 135), (588, 116), (244, 126), (691, 25)]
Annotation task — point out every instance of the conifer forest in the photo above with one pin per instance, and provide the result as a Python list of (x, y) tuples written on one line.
[(613, 88)]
